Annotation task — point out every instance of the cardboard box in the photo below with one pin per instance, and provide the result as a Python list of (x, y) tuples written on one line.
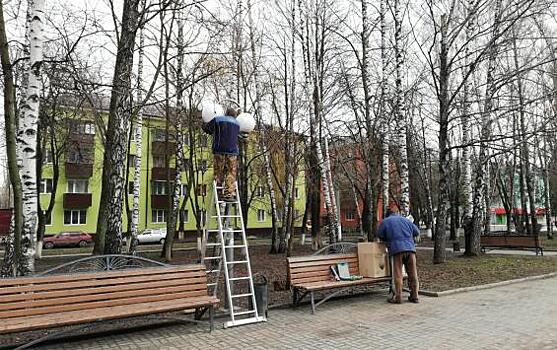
[(373, 259)]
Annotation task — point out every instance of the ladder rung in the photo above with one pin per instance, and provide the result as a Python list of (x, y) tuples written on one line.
[(235, 246), (237, 262), (212, 257), (212, 271), (239, 278), (242, 295), (212, 244), (244, 313), (211, 284)]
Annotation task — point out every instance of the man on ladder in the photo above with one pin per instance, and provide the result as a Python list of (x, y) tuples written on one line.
[(228, 252), (225, 131)]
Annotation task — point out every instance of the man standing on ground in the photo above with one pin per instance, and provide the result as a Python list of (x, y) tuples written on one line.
[(225, 131), (399, 233)]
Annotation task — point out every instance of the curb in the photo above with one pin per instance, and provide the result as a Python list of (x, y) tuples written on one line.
[(486, 286)]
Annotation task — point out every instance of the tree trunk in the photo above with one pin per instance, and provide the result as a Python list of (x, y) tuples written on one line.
[(138, 144), (481, 190), (108, 237), (400, 115), (12, 254), (439, 253), (27, 136)]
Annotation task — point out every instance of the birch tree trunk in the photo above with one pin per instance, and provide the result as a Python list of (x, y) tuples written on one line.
[(329, 174), (138, 143), (279, 245), (175, 202), (108, 238), (12, 253), (481, 189), (27, 137), (400, 115), (529, 199), (465, 121), (439, 253)]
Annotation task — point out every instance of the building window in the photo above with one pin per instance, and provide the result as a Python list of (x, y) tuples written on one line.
[(87, 128), (159, 135), (75, 156), (296, 193), (297, 214), (46, 186), (130, 187), (47, 156), (260, 191), (132, 161), (186, 139), (261, 215), (75, 217), (159, 187), (47, 218), (184, 215), (158, 216), (158, 162), (201, 190), (203, 165), (78, 185), (349, 215), (184, 190)]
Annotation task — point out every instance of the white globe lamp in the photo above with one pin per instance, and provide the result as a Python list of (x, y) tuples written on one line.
[(246, 121), (209, 110)]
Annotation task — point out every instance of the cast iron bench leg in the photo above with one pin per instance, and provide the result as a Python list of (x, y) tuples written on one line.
[(312, 303)]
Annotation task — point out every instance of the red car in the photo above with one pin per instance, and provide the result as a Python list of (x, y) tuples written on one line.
[(80, 239)]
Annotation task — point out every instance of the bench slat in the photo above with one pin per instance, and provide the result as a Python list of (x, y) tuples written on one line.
[(93, 290), (100, 304), (77, 317), (100, 282), (339, 284), (113, 295), (322, 262), (99, 275), (321, 273), (295, 259)]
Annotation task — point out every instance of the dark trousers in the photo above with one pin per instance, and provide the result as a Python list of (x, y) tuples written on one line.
[(408, 259)]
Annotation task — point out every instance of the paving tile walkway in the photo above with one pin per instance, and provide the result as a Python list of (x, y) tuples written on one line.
[(518, 316)]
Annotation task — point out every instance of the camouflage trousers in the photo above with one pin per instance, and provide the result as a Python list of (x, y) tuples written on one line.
[(225, 173)]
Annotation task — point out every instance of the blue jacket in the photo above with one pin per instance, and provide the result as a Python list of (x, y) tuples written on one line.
[(399, 233), (225, 131)]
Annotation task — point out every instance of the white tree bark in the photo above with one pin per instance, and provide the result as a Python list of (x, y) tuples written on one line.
[(331, 186), (465, 118), (385, 130), (138, 143), (27, 136), (400, 114)]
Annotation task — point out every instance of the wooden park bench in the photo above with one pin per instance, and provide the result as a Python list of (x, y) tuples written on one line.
[(310, 274), (120, 286), (512, 242)]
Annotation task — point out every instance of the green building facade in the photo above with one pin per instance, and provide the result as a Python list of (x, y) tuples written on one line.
[(79, 185)]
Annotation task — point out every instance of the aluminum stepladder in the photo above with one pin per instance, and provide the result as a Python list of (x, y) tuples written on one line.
[(218, 254)]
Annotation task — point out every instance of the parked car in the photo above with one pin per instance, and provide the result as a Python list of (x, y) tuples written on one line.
[(65, 239), (152, 236)]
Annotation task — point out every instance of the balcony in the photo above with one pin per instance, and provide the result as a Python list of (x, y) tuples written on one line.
[(79, 171), (159, 201), (77, 200), (158, 148), (160, 173)]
